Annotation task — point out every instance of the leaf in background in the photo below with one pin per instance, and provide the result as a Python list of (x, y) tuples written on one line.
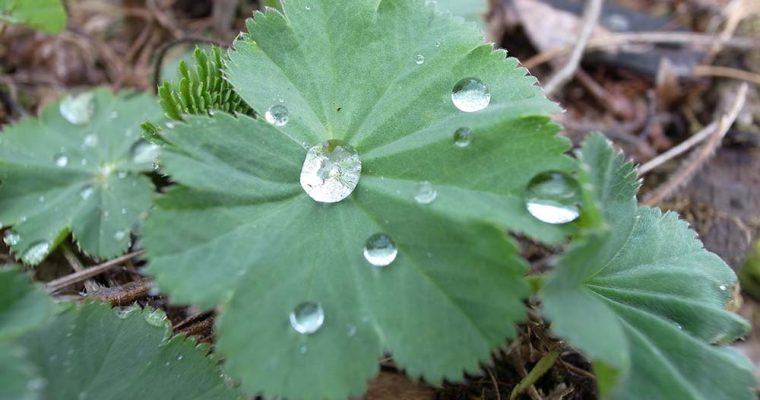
[(78, 167), (22, 306), (44, 15), (90, 352), (241, 231), (645, 300), (471, 10)]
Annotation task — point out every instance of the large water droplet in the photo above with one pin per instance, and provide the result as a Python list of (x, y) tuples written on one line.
[(307, 318), (426, 193), (470, 95), (463, 137), (554, 198), (36, 253), (78, 109), (11, 238), (380, 250), (277, 115), (86, 192), (60, 160), (144, 152), (330, 171)]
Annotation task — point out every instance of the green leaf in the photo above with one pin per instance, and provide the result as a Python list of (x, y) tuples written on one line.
[(472, 10), (89, 352), (85, 177), (240, 231), (22, 306), (18, 379), (645, 301), (201, 88), (45, 15)]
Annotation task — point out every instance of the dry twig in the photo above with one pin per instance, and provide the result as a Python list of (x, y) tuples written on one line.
[(60, 283), (590, 19), (713, 135)]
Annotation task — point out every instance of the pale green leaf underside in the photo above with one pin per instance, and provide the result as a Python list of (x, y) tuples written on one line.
[(646, 298), (45, 15), (89, 352), (242, 232), (99, 193)]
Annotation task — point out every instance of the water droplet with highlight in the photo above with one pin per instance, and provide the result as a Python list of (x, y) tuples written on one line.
[(11, 238), (60, 160), (36, 253), (91, 140), (426, 193), (277, 115), (307, 318), (723, 287), (144, 152), (330, 171), (119, 235), (78, 109), (553, 197), (380, 250), (156, 317), (463, 137), (86, 192), (470, 95), (419, 59)]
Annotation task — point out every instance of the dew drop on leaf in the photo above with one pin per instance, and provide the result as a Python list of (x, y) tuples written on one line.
[(91, 140), (125, 312), (307, 318), (36, 252), (60, 160), (78, 109), (86, 192), (351, 330), (723, 287), (144, 152), (11, 238), (470, 95), (553, 197), (420, 59), (380, 250), (426, 193), (119, 235), (463, 137), (277, 115), (330, 171), (156, 317)]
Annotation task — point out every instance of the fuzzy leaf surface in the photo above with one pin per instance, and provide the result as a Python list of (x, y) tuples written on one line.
[(240, 230), (86, 178), (645, 301), (44, 15), (90, 352)]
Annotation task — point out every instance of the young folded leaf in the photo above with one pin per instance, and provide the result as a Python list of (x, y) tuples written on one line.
[(78, 167), (644, 300), (365, 210)]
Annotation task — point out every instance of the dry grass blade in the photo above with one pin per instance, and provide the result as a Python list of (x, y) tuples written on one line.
[(60, 283), (713, 135)]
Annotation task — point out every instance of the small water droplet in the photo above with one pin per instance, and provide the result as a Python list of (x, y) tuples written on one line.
[(470, 95), (303, 349), (553, 197), (419, 59), (723, 287), (11, 238), (123, 211), (144, 152), (438, 44), (330, 171), (180, 357), (156, 317), (121, 174), (463, 137), (119, 235), (41, 199), (307, 318), (60, 160), (78, 109), (380, 250), (426, 193), (86, 192), (351, 330), (170, 125), (91, 140), (277, 115), (36, 253), (36, 384), (114, 114)]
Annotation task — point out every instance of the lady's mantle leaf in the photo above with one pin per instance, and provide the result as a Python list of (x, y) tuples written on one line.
[(241, 231), (646, 300), (22, 306), (78, 167), (89, 352), (44, 15)]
